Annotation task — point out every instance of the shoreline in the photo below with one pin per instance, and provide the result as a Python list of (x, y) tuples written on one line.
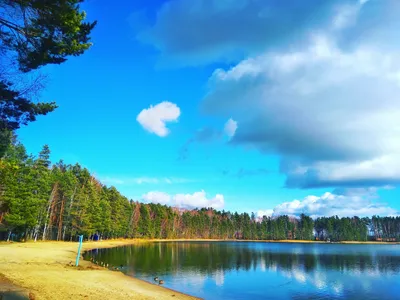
[(277, 241), (47, 270)]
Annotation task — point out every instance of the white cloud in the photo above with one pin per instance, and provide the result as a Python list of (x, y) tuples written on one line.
[(327, 105), (187, 201), (157, 197), (347, 14), (230, 127), (330, 113), (198, 199), (267, 213), (341, 202), (381, 170), (348, 204), (154, 118)]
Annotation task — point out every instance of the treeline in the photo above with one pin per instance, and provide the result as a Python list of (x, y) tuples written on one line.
[(41, 201)]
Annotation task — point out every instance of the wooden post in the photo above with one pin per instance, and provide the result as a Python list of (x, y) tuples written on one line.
[(78, 256)]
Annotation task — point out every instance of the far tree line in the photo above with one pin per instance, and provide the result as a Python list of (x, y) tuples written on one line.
[(41, 201)]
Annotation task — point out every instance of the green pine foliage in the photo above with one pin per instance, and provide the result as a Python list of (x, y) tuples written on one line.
[(42, 32), (42, 201), (34, 33)]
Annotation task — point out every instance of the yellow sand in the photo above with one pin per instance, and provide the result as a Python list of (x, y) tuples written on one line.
[(43, 269)]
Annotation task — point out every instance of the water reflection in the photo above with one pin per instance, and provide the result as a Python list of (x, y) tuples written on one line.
[(333, 271)]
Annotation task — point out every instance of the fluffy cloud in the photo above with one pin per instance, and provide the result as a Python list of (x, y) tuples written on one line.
[(267, 213), (202, 31), (330, 112), (319, 86), (198, 199), (154, 118), (157, 197), (186, 201), (230, 127), (348, 203)]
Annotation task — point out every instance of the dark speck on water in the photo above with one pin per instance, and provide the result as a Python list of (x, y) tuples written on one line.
[(249, 270)]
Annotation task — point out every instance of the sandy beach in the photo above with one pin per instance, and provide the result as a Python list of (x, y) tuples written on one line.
[(45, 270)]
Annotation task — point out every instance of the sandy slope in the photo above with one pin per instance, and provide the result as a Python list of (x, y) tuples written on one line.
[(44, 270)]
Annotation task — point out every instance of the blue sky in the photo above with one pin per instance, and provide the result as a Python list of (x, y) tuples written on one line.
[(313, 116)]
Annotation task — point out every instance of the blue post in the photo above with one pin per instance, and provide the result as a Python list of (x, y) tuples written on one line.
[(79, 250)]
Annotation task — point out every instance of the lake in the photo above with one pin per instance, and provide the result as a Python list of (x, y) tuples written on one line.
[(251, 270)]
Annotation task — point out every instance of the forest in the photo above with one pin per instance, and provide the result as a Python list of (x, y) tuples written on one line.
[(44, 201)]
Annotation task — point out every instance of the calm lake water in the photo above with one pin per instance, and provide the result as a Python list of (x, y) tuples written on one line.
[(248, 270)]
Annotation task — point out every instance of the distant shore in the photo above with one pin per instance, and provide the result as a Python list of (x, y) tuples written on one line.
[(279, 241), (46, 270)]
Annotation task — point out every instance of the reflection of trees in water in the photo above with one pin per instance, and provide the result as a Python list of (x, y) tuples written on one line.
[(207, 258)]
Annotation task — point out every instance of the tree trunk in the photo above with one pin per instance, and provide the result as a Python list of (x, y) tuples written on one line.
[(9, 235), (53, 215), (61, 219), (48, 209), (36, 231), (69, 213)]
